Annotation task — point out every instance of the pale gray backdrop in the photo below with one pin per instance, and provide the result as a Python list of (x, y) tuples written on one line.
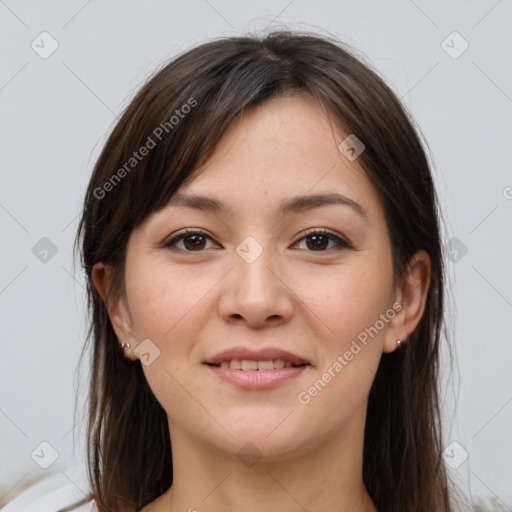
[(68, 69)]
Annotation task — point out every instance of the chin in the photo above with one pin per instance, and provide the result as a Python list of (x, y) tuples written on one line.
[(269, 435)]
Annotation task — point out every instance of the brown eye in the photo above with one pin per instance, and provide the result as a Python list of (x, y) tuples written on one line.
[(319, 241), (193, 241)]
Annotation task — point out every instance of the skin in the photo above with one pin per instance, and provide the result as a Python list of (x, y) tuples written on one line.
[(313, 303)]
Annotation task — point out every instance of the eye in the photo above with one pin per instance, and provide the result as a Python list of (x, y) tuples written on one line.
[(319, 241), (193, 241)]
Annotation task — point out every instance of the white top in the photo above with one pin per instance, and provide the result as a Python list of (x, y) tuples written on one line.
[(54, 492)]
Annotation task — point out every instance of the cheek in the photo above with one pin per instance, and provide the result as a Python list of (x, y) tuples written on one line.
[(350, 304), (168, 307), (163, 300), (347, 300)]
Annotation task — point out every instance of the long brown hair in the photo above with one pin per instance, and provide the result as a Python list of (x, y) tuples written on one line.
[(207, 88)]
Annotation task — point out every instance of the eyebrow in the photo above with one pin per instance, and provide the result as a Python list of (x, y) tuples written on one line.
[(292, 205)]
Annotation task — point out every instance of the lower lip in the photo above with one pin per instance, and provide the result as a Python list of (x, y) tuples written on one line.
[(257, 379)]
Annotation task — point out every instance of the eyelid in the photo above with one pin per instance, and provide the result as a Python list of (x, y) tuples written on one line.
[(341, 241), (177, 237)]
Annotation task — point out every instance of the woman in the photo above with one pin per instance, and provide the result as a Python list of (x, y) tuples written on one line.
[(265, 278)]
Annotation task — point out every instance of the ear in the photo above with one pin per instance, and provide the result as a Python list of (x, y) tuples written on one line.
[(412, 296), (117, 309)]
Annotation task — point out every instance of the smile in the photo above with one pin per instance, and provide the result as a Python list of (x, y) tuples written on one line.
[(247, 364), (250, 369)]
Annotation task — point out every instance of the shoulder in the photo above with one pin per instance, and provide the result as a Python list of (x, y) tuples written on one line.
[(55, 492)]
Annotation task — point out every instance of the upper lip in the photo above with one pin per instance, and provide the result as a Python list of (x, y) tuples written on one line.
[(264, 354)]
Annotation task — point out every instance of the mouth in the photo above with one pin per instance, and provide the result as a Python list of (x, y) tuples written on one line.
[(242, 358), (249, 364), (256, 370)]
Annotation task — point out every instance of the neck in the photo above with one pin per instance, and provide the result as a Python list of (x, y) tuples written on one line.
[(316, 478)]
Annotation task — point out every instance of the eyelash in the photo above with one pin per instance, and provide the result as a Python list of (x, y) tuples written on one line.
[(342, 244)]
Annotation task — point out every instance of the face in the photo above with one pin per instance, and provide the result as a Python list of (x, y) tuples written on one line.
[(308, 287)]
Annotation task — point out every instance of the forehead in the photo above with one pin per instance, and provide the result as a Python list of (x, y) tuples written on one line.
[(285, 147)]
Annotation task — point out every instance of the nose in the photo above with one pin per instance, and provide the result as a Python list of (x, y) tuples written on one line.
[(255, 292)]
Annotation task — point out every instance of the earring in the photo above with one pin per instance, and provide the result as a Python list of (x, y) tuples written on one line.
[(398, 343), (125, 346)]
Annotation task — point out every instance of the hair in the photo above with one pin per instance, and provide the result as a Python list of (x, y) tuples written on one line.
[(179, 115)]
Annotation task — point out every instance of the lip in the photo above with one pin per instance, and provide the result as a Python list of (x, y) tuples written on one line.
[(257, 379), (264, 354)]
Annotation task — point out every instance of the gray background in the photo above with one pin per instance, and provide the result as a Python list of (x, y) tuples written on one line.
[(57, 111)]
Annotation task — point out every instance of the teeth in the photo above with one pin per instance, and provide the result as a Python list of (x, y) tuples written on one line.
[(246, 364), (249, 365)]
